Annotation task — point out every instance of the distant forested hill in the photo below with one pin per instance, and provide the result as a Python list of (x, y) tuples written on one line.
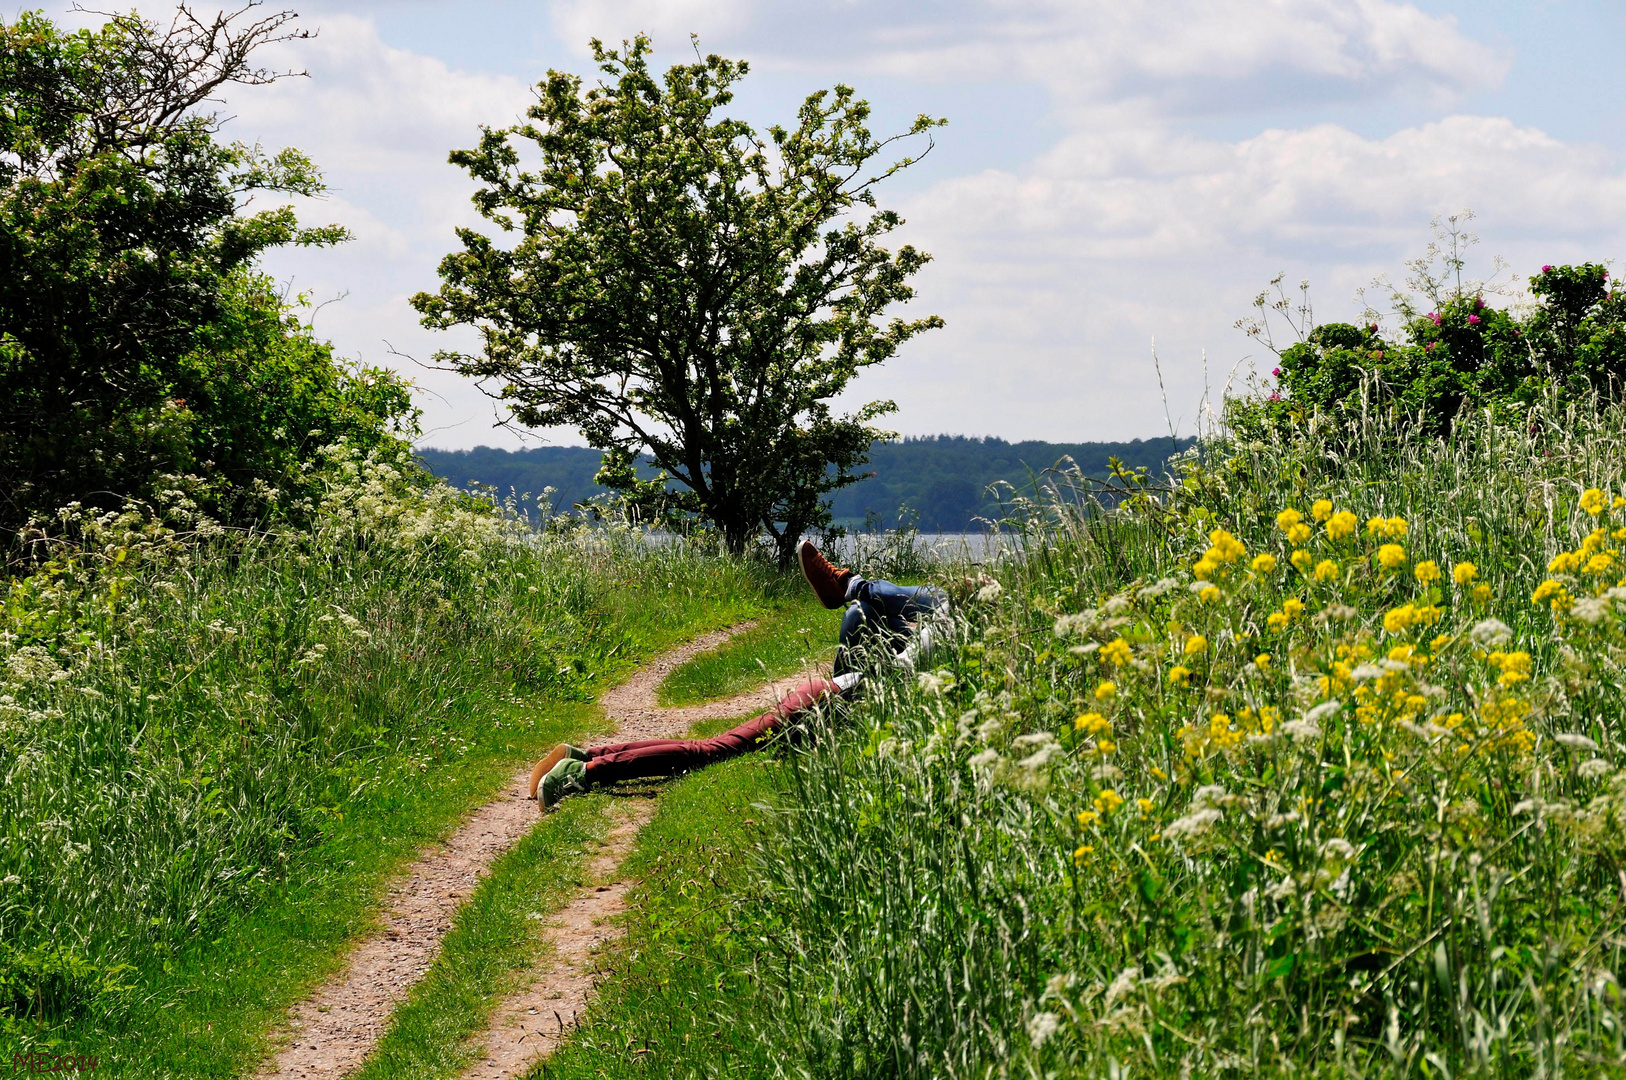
[(942, 478)]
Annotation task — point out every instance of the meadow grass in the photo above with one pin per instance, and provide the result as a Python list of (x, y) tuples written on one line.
[(1221, 780), (218, 747)]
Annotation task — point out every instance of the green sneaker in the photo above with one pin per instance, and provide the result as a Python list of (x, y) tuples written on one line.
[(569, 777), (556, 755)]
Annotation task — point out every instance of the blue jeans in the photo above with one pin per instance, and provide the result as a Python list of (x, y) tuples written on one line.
[(880, 610)]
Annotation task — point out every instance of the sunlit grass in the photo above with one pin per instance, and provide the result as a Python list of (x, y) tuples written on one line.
[(1172, 807), (795, 634), (217, 747)]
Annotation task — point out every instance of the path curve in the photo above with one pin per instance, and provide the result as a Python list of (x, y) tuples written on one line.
[(633, 708), (331, 1033)]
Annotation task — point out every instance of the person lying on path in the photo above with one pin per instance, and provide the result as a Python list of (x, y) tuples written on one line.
[(878, 613)]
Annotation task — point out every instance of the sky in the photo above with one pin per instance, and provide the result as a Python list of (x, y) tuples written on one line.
[(1112, 174)]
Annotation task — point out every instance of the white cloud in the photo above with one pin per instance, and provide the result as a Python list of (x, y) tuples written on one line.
[(1180, 56), (1202, 56), (668, 22), (380, 121), (1056, 278)]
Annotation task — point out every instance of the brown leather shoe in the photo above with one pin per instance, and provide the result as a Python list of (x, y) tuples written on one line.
[(829, 582)]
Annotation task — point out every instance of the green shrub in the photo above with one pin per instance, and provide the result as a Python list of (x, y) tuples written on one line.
[(140, 352), (1460, 355)]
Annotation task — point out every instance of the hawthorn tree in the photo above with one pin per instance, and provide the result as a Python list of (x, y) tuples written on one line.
[(686, 289)]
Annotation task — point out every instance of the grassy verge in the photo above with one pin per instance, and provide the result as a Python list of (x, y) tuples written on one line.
[(795, 632), (219, 748), (206, 1010), (681, 998)]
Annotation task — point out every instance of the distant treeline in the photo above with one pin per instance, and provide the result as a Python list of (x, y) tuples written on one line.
[(944, 479)]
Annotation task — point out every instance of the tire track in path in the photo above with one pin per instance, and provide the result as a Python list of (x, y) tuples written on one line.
[(331, 1033)]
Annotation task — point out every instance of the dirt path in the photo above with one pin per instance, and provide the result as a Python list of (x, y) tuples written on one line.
[(531, 1023), (636, 715), (332, 1032)]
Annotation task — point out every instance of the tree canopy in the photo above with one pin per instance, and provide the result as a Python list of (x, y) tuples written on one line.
[(685, 288), (138, 345)]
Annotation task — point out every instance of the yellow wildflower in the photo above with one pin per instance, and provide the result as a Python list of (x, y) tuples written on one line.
[(1427, 571), (1592, 501), (1399, 620), (1264, 562), (1106, 691), (1205, 569), (1108, 801), (1464, 573), (1548, 590), (1514, 666), (1600, 563), (1298, 534), (1086, 818), (1117, 651), (1325, 570), (1145, 805), (1391, 556), (1322, 510), (1292, 607), (1159, 773), (1082, 854), (1262, 661), (1275, 620), (1288, 518), (1226, 548), (1302, 560), (1565, 562), (1341, 524), (1105, 746), (1092, 723), (1196, 644), (1179, 674), (1209, 595), (1482, 593)]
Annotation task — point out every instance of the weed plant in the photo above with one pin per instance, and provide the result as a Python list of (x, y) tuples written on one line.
[(1305, 764), (189, 715)]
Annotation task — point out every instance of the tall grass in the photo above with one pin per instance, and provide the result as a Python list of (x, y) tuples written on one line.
[(1173, 803), (184, 713)]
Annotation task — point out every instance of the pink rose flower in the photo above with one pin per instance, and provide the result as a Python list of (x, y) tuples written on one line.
[(1547, 269), (1473, 320)]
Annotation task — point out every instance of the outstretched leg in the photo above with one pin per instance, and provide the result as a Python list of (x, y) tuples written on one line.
[(667, 757)]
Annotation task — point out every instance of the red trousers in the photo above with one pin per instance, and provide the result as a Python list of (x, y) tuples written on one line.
[(666, 757)]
